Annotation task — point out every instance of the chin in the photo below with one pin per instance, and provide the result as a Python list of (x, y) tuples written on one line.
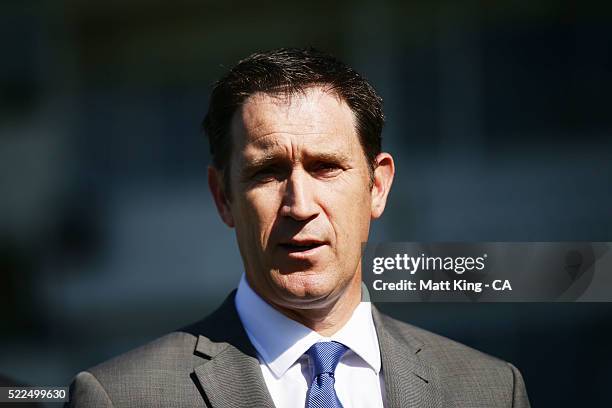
[(308, 286)]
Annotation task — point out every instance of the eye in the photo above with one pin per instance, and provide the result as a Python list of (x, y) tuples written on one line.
[(267, 174), (326, 169)]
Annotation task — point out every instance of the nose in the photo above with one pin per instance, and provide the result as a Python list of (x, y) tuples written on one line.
[(299, 197)]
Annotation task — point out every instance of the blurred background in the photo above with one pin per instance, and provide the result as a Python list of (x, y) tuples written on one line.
[(498, 114)]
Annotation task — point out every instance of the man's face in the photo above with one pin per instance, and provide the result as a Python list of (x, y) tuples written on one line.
[(301, 200)]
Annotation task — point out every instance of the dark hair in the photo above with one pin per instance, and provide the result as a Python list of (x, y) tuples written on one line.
[(290, 70)]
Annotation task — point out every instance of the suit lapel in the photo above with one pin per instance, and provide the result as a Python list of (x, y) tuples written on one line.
[(232, 380), (230, 377), (409, 381)]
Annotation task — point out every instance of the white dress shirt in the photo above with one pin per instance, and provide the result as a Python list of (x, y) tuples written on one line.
[(281, 343)]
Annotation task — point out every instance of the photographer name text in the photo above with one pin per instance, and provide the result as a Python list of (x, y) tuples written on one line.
[(460, 285)]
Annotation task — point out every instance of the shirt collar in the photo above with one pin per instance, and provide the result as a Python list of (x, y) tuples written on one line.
[(281, 341)]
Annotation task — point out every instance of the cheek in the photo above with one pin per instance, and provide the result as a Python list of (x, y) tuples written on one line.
[(349, 212), (259, 210)]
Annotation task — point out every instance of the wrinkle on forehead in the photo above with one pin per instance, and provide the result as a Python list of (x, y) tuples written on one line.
[(295, 149)]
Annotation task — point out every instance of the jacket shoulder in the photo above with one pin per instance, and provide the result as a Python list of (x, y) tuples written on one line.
[(467, 374), (161, 372), (157, 371)]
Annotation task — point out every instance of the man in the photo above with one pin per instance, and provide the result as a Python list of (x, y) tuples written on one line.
[(299, 174)]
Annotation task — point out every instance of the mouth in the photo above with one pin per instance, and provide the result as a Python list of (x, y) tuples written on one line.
[(305, 247), (300, 247)]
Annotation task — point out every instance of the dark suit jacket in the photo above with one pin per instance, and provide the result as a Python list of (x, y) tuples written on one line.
[(213, 364)]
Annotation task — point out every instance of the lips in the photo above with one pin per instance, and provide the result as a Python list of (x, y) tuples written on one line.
[(303, 245)]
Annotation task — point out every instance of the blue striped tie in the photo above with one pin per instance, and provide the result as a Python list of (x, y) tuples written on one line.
[(324, 357)]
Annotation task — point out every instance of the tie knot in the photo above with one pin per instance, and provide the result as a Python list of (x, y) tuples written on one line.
[(325, 356)]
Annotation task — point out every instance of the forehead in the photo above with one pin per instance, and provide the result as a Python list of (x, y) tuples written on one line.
[(316, 119)]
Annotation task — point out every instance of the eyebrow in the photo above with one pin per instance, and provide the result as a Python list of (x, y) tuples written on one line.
[(271, 158), (261, 161), (335, 157)]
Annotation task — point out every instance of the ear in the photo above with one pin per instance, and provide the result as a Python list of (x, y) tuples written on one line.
[(217, 189), (383, 178)]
